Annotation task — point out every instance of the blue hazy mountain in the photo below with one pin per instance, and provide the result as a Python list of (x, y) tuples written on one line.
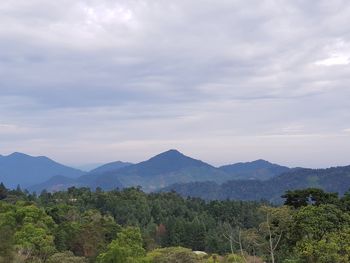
[(335, 179), (161, 170), (55, 183), (174, 167), (90, 179), (110, 167), (259, 169), (25, 170), (88, 166), (166, 169)]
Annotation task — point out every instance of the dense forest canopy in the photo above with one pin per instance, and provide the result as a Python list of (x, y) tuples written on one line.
[(80, 225)]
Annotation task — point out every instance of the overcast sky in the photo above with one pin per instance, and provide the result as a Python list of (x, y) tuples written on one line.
[(223, 80)]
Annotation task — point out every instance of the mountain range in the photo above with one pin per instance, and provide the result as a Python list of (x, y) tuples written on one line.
[(335, 179), (19, 168), (174, 171), (163, 170)]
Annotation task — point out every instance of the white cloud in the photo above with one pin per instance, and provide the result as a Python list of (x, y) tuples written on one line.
[(334, 60), (84, 75), (339, 54)]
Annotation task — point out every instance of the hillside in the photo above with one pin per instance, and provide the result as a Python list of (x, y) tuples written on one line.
[(18, 168), (159, 171), (259, 170), (336, 179), (165, 169), (55, 183), (110, 167), (172, 167)]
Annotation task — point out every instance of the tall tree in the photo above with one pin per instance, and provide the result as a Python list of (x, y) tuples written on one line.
[(275, 226), (126, 248)]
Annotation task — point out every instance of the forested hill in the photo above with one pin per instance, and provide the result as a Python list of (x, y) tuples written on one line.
[(81, 226), (259, 169), (336, 179), (163, 170)]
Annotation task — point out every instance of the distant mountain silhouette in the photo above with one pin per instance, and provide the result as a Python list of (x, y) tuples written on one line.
[(25, 170), (171, 167), (259, 169), (336, 179), (55, 183), (159, 171), (174, 167), (110, 167)]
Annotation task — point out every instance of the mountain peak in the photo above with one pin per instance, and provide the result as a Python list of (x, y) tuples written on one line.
[(29, 170), (108, 167), (264, 163), (259, 169), (167, 162), (171, 155), (171, 152), (261, 161), (18, 155)]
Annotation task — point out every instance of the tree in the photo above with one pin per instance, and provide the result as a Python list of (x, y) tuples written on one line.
[(3, 191), (234, 236), (276, 225), (309, 196), (34, 241), (322, 234), (6, 243), (334, 247), (172, 255), (66, 257), (91, 233), (126, 248), (314, 222)]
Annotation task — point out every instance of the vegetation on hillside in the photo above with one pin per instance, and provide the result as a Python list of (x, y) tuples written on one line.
[(336, 179), (79, 225)]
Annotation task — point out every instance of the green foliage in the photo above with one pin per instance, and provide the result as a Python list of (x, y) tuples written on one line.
[(173, 255), (323, 234), (65, 257), (315, 222), (27, 229), (313, 196), (127, 248), (79, 225), (336, 180), (32, 240), (6, 244), (3, 191), (234, 259)]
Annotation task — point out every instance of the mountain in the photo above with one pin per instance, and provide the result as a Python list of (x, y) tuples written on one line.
[(110, 167), (88, 166), (159, 171), (259, 169), (19, 168), (335, 179), (168, 168), (55, 183), (90, 179)]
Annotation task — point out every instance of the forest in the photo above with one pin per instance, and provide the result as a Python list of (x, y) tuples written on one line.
[(130, 226)]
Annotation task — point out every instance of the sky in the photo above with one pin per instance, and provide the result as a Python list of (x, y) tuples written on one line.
[(92, 81)]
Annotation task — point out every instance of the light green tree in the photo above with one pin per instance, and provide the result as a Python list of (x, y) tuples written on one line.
[(33, 241), (66, 257), (323, 234), (126, 248)]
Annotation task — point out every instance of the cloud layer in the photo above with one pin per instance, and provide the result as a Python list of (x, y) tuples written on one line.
[(224, 81)]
